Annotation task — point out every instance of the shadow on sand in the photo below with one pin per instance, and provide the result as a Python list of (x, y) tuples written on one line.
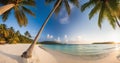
[(18, 59)]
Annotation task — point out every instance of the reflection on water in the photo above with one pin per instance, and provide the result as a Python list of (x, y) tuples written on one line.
[(117, 47), (86, 52), (94, 57)]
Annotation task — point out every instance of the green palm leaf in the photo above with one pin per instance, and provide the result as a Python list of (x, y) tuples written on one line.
[(87, 5), (100, 19), (28, 3), (28, 11), (18, 16), (75, 2), (65, 3), (48, 1), (111, 19), (107, 9), (94, 10), (67, 7), (24, 18), (5, 15), (58, 8), (20, 9)]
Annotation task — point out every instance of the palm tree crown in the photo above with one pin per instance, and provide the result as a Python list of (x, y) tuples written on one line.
[(3, 31), (66, 3), (20, 7), (27, 34), (107, 9)]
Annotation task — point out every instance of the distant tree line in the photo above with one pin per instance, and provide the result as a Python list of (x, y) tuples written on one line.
[(10, 36)]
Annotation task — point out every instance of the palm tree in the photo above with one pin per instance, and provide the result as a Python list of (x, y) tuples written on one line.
[(19, 7), (18, 33), (2, 40), (27, 34), (3, 30), (14, 39), (11, 31), (107, 9), (57, 6), (4, 33)]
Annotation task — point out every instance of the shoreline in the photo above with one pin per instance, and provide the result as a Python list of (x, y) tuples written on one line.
[(61, 57), (10, 53)]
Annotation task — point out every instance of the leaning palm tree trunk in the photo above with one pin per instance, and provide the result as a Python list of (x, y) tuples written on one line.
[(5, 8), (28, 53)]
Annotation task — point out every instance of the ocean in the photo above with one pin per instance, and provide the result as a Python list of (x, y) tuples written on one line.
[(84, 49)]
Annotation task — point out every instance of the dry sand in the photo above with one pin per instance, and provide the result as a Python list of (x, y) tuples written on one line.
[(10, 53)]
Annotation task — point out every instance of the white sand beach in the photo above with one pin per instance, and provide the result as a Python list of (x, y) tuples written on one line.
[(10, 53)]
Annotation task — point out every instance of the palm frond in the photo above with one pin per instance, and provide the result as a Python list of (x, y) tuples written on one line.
[(67, 7), (100, 19), (114, 6), (58, 8), (27, 11), (87, 5), (94, 10), (111, 19), (19, 10), (25, 21), (28, 3), (48, 1), (3, 1), (6, 15), (75, 2), (18, 16)]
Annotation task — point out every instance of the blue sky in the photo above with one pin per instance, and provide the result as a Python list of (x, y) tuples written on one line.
[(76, 27)]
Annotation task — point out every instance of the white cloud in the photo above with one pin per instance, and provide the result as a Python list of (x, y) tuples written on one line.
[(71, 39), (58, 39), (62, 12), (49, 36), (65, 36), (79, 38), (71, 6), (64, 20)]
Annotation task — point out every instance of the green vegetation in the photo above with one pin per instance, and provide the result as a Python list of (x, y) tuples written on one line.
[(8, 35), (20, 7), (49, 42), (103, 43), (109, 9)]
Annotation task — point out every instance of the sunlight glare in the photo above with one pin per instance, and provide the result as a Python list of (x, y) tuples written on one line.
[(116, 47), (115, 37)]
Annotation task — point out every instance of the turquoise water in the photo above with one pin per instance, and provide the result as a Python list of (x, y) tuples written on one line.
[(86, 49)]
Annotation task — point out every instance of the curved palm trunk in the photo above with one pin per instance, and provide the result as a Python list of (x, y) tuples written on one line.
[(28, 53), (5, 8)]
